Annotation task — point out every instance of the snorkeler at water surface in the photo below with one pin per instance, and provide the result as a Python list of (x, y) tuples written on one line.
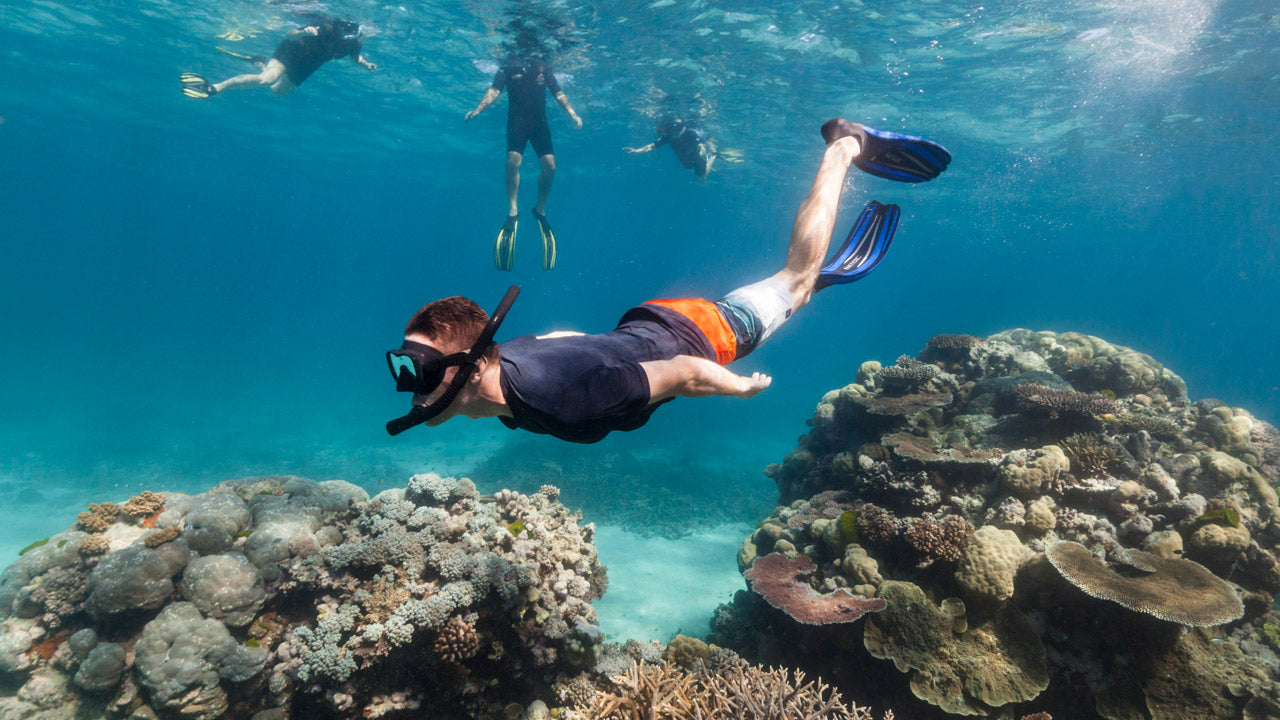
[(300, 54), (526, 77), (582, 387), (690, 142)]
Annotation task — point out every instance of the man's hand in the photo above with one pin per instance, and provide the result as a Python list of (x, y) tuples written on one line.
[(753, 385), (688, 376), (311, 30), (577, 121), (470, 115)]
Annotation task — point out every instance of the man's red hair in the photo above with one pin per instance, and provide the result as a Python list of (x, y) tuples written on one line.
[(453, 323)]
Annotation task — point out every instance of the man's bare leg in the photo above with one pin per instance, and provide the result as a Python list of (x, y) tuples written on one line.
[(815, 221), (269, 75), (513, 181), (545, 176)]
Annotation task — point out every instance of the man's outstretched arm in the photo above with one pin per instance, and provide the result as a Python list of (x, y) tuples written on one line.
[(564, 103), (490, 96), (688, 376)]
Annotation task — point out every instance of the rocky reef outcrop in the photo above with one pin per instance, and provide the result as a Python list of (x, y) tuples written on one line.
[(1051, 525), (281, 597)]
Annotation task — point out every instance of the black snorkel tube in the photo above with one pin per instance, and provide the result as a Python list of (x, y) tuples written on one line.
[(423, 413)]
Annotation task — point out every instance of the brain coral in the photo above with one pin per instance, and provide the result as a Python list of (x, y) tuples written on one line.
[(993, 664), (991, 559), (1174, 590)]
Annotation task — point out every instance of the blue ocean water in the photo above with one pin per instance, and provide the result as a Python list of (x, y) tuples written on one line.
[(195, 290)]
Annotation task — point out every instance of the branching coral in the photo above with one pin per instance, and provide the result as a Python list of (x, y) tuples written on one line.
[(145, 504), (1090, 454), (905, 376), (1038, 400), (98, 517), (457, 641), (735, 693), (160, 537), (939, 539)]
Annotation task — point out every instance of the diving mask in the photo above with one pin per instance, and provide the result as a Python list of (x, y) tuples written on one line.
[(419, 368)]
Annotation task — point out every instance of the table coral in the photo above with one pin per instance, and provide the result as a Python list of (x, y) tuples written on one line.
[(779, 580), (1174, 590)]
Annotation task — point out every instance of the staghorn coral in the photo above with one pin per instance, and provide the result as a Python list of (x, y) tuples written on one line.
[(939, 539), (735, 693), (457, 641), (1174, 590), (778, 579)]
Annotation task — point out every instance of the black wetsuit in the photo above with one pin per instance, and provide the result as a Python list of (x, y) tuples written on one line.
[(689, 143), (304, 54), (582, 387), (526, 81)]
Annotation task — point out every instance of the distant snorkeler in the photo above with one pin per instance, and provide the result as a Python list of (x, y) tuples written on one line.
[(301, 53), (691, 143), (580, 387), (526, 77)]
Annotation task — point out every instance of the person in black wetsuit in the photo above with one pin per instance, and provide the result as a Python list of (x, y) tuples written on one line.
[(579, 387), (526, 77), (300, 54), (691, 143)]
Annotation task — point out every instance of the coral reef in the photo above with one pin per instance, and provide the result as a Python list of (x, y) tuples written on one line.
[(281, 597), (1107, 506)]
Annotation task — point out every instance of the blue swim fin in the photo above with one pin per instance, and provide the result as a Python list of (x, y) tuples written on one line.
[(905, 158), (865, 247)]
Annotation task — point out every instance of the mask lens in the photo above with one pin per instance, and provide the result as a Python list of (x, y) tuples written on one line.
[(415, 373)]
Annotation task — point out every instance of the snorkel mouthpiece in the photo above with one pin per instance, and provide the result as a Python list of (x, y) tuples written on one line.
[(420, 369)]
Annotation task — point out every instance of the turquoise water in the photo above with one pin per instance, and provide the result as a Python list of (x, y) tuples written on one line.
[(193, 291)]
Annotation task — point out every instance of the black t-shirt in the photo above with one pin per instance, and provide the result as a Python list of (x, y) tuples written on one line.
[(304, 54), (582, 387), (684, 140), (525, 81)]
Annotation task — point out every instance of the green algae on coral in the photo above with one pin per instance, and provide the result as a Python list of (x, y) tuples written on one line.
[(33, 546), (848, 523), (244, 533), (1271, 635), (1224, 516), (252, 642), (516, 527)]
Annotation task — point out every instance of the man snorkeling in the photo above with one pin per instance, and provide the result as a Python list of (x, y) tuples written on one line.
[(301, 53), (526, 77), (691, 143), (582, 387)]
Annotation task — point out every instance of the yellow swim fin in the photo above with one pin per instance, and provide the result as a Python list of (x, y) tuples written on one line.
[(196, 86), (504, 248), (548, 241)]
